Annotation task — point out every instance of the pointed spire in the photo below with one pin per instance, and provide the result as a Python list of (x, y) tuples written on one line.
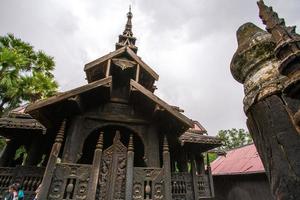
[(128, 26), (286, 38), (127, 39), (275, 25)]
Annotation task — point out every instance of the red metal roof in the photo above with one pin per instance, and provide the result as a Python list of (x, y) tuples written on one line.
[(243, 160)]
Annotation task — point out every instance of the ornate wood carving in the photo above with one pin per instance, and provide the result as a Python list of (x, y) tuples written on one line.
[(70, 181), (113, 171), (148, 183)]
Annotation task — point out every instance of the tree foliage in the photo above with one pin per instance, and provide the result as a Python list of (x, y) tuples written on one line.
[(26, 74), (233, 138)]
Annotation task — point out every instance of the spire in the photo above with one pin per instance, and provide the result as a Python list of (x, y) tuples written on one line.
[(127, 39), (286, 38)]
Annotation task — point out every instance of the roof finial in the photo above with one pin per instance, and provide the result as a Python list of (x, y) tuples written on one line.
[(127, 39)]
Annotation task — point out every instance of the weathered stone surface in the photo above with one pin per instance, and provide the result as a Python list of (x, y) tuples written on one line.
[(255, 65)]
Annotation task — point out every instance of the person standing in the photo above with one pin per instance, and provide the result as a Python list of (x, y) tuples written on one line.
[(12, 193)]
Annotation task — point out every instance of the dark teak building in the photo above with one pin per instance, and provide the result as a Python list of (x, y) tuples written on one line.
[(112, 138)]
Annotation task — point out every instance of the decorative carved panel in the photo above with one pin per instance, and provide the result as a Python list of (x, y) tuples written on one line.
[(70, 181), (148, 183), (113, 172)]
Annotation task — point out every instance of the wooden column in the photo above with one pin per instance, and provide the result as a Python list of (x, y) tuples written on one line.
[(35, 152), (137, 75), (210, 178), (194, 176), (129, 171), (45, 185), (94, 176), (167, 170), (108, 68), (8, 153)]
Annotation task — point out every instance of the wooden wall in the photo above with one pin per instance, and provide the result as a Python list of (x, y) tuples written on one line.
[(242, 187)]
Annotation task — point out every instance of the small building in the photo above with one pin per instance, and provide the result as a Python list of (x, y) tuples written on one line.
[(240, 175)]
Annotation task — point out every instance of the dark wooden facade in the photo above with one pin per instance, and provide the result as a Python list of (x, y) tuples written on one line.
[(115, 139)]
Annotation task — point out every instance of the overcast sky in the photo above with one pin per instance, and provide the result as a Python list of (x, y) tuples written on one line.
[(189, 43)]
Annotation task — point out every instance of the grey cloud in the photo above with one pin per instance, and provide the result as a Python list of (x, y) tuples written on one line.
[(189, 43)]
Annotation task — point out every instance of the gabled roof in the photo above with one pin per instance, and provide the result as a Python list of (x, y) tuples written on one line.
[(243, 160), (190, 137), (18, 121), (113, 54), (197, 135), (161, 103), (65, 95), (69, 94)]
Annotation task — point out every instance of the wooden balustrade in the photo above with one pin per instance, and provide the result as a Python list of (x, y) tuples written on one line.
[(28, 177), (183, 188)]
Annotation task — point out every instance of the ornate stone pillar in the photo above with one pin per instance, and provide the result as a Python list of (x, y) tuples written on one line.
[(270, 113)]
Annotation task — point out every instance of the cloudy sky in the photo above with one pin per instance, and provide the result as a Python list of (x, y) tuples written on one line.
[(189, 43)]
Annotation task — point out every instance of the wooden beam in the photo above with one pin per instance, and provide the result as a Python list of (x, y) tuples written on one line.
[(137, 75), (108, 68), (161, 103), (142, 64), (104, 58), (66, 95)]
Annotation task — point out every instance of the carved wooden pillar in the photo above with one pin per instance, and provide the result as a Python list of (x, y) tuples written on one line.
[(194, 176), (52, 162), (129, 171), (210, 178), (8, 153), (35, 153), (96, 169), (167, 170)]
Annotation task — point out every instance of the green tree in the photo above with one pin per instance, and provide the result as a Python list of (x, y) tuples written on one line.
[(25, 74), (233, 138)]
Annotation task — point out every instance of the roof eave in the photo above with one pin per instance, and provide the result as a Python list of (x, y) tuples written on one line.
[(157, 100)]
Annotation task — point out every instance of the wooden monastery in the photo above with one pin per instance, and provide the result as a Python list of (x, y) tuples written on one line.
[(110, 139)]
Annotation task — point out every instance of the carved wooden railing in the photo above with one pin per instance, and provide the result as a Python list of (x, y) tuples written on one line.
[(28, 177), (185, 188), (70, 181), (6, 176), (182, 186), (148, 183), (202, 186)]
